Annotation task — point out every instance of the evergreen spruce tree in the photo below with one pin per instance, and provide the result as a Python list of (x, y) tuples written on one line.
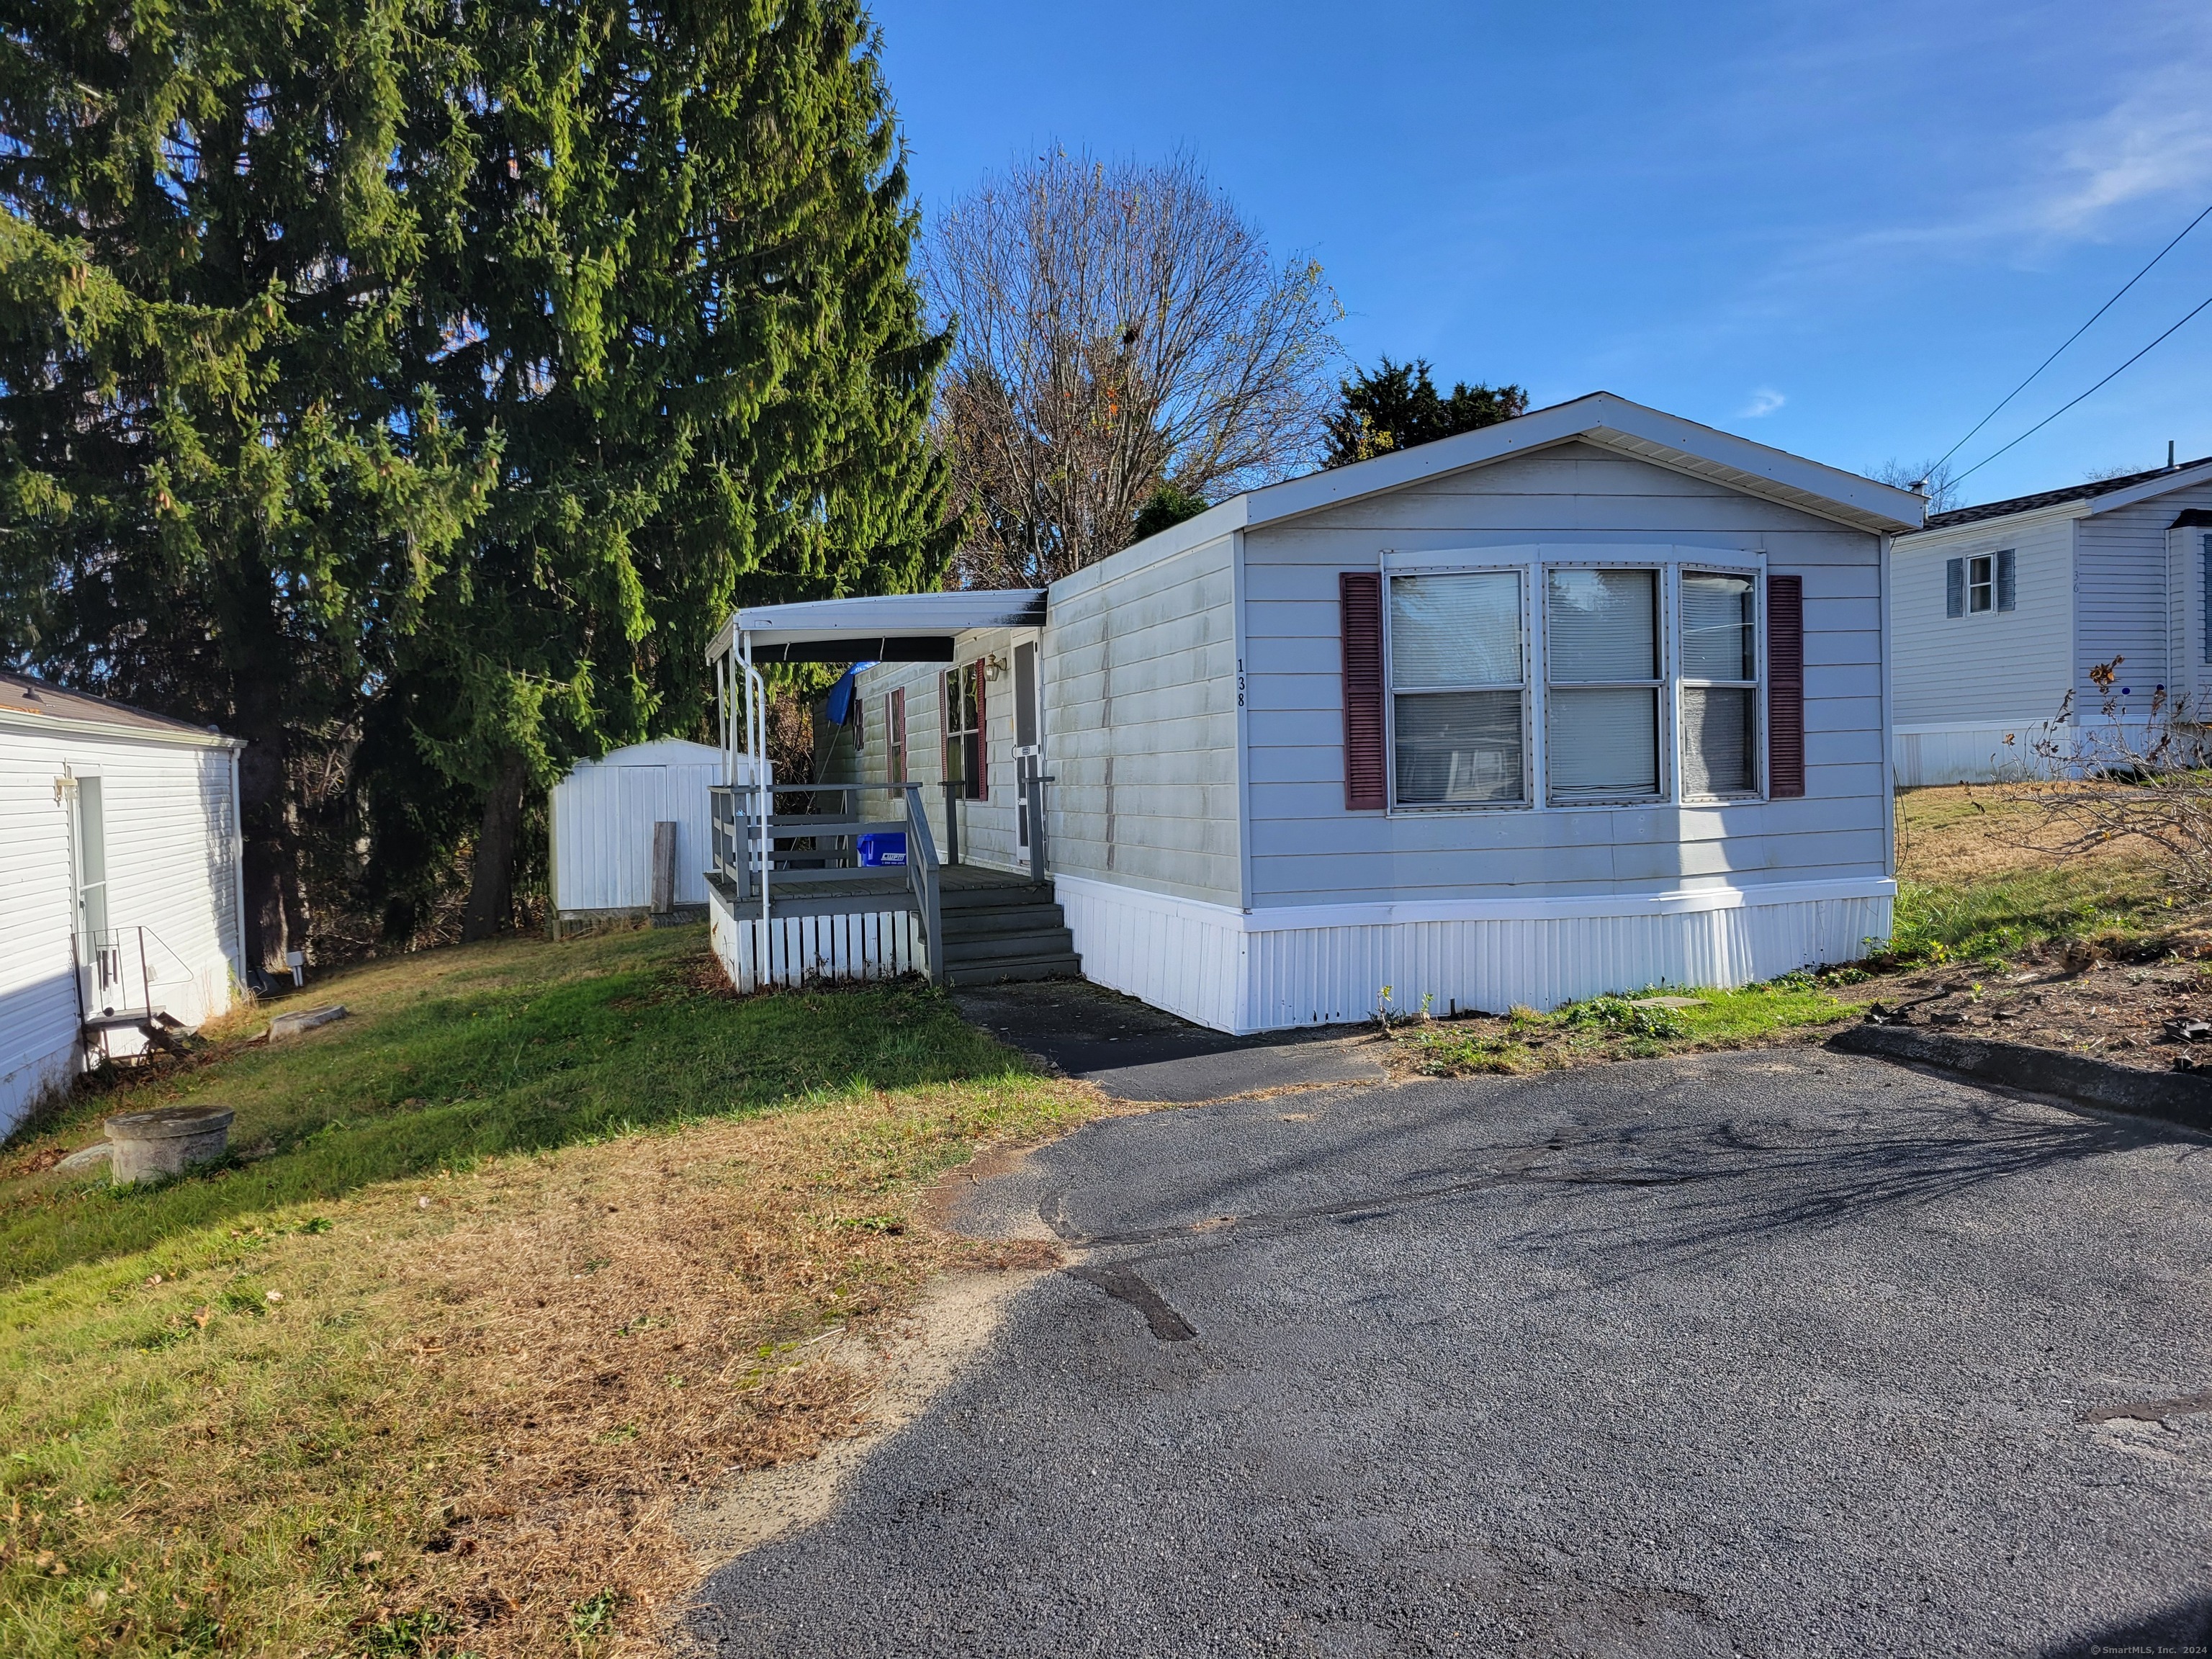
[(685, 316), (1398, 406), (221, 495)]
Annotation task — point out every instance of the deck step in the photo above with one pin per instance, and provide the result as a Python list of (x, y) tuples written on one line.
[(1009, 918), (1067, 966), (984, 898), (961, 952)]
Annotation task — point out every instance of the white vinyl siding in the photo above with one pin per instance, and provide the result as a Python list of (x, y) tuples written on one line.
[(172, 869), (1136, 673), (1306, 849), (2125, 607), (1999, 666)]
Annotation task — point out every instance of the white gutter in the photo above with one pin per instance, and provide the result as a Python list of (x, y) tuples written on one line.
[(17, 720)]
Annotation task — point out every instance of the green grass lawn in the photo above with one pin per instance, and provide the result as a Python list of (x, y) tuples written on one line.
[(1613, 1028), (538, 1233), (1995, 917), (516, 1046)]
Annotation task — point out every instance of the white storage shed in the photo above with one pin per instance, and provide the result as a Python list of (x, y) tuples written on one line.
[(120, 857), (601, 822)]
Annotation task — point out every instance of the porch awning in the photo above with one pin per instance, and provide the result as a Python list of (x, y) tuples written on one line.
[(883, 628)]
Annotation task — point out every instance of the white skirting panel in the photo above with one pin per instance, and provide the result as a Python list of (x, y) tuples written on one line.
[(1328, 964), (1923, 755), (795, 950)]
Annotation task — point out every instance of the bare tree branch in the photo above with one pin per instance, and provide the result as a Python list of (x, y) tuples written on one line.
[(2135, 772), (1119, 325)]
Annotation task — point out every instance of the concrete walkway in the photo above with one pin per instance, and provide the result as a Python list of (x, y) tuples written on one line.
[(1134, 1052)]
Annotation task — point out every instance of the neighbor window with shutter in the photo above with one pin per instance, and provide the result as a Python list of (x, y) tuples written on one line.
[(1601, 685), (1979, 582), (1458, 688)]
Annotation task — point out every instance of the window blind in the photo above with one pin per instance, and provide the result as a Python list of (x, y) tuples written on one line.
[(1457, 693), (1601, 735)]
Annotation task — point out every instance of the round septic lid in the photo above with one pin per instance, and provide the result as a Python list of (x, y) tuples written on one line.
[(168, 1121)]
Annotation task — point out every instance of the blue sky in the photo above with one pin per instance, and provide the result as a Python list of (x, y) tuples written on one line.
[(1846, 230)]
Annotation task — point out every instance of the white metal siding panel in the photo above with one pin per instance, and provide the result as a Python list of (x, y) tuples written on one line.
[(1235, 973), (2126, 609), (172, 870), (1995, 667), (796, 951), (989, 831), (1307, 849), (603, 814), (1139, 670)]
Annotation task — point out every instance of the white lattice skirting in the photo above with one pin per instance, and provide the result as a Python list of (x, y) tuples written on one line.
[(1327, 964), (792, 951)]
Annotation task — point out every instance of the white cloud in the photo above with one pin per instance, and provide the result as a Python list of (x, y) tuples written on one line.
[(2154, 141), (1764, 401)]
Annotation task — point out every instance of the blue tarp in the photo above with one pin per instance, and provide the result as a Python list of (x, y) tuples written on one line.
[(841, 694)]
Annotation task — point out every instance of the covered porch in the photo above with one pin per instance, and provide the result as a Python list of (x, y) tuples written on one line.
[(837, 880)]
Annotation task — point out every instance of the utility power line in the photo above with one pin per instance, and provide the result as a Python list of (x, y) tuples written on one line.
[(2099, 387), (2069, 341)]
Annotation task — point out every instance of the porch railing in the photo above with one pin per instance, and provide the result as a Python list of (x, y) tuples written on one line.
[(748, 852)]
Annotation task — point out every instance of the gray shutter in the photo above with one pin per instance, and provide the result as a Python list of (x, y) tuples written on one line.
[(2004, 580), (1954, 588)]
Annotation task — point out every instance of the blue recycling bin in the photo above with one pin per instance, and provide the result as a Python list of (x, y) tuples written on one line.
[(887, 850)]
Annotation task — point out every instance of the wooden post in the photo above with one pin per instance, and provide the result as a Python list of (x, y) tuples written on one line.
[(663, 867)]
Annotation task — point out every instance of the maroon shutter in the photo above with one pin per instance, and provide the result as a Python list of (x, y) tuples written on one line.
[(1359, 597), (1785, 685)]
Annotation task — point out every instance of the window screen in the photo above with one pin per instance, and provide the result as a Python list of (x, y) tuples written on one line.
[(1458, 694), (1720, 684), (1601, 724)]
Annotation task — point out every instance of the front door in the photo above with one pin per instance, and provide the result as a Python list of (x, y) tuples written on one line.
[(1029, 749), (100, 957)]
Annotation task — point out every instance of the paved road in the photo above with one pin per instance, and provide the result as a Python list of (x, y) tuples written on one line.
[(1780, 1353)]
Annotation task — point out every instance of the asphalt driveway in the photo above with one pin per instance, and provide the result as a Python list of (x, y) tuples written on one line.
[(1771, 1353)]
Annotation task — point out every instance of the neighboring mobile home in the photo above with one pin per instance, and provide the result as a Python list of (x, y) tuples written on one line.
[(1588, 700), (120, 856), (1997, 613)]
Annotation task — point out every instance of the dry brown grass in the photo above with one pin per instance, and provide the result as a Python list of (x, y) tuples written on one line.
[(1966, 833), (478, 1401), (633, 1322)]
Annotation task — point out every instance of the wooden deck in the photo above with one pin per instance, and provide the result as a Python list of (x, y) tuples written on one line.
[(791, 894)]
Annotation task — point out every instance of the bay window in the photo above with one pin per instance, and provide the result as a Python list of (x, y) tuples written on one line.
[(1644, 682), (1602, 685), (1720, 684), (1458, 689)]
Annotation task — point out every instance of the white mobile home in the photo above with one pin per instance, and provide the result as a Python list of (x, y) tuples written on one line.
[(1593, 699), (1998, 612), (120, 844)]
